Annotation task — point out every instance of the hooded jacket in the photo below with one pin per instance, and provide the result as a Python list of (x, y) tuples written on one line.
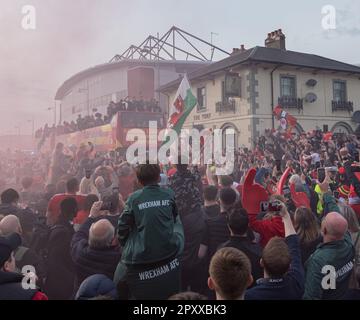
[(96, 285), (11, 288)]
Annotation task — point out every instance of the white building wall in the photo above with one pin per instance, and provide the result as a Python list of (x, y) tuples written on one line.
[(102, 89), (253, 110), (111, 85), (315, 114)]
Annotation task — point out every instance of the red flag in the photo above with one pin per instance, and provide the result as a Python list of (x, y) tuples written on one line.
[(291, 121)]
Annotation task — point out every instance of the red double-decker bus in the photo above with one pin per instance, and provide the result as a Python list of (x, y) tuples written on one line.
[(110, 136)]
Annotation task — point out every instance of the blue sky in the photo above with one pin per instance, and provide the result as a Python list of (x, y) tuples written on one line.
[(72, 35)]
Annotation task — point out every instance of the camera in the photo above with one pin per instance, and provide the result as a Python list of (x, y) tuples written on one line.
[(275, 206)]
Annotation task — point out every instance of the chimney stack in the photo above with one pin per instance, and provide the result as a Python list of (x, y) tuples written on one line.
[(235, 51), (242, 48), (276, 40)]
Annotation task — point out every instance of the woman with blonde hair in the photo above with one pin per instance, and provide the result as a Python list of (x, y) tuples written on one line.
[(308, 230)]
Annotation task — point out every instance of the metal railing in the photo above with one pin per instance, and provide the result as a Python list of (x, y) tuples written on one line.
[(226, 106), (342, 106), (291, 102)]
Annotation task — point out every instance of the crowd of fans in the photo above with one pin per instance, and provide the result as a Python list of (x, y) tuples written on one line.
[(97, 119), (95, 227)]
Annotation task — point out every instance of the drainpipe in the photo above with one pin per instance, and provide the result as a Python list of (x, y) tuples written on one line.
[(272, 95), (166, 112)]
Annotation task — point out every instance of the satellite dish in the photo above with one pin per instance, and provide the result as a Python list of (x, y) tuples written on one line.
[(311, 97), (311, 83), (356, 117)]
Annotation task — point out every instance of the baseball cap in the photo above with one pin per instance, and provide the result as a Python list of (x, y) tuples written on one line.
[(7, 246)]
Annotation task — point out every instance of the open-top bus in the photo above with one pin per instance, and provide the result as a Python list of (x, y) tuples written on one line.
[(109, 136)]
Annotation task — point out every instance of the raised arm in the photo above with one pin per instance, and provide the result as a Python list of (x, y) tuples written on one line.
[(296, 270)]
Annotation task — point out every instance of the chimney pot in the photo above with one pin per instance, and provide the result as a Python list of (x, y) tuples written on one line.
[(235, 50), (276, 39)]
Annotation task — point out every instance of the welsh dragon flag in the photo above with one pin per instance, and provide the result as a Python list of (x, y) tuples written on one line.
[(184, 103)]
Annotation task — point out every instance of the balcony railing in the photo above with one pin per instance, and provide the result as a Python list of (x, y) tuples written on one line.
[(226, 106), (290, 102), (342, 106)]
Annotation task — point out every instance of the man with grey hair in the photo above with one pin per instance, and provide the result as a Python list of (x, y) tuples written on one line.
[(300, 185), (10, 224), (295, 179), (329, 269), (23, 256), (93, 247), (101, 234)]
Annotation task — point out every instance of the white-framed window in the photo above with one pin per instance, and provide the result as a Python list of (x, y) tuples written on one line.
[(201, 98), (340, 92), (288, 86)]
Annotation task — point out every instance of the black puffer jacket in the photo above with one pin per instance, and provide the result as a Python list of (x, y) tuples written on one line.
[(11, 288), (89, 261)]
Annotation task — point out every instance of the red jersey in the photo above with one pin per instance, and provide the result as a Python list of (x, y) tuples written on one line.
[(53, 210), (81, 217)]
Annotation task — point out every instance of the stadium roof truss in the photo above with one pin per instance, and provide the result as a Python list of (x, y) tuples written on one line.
[(170, 46)]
